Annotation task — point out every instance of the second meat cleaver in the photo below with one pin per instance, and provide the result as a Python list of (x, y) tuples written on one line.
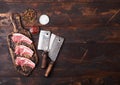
[(54, 48), (43, 44)]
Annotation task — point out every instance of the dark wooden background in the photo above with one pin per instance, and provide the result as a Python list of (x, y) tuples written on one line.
[(92, 25)]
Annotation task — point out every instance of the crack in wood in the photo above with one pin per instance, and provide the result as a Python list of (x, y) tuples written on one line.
[(113, 16)]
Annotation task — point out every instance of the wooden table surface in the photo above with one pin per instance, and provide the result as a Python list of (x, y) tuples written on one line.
[(92, 25)]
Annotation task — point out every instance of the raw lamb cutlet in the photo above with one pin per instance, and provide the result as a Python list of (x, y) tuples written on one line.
[(18, 37), (23, 51), (21, 61)]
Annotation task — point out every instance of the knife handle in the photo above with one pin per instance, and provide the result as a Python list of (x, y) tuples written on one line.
[(44, 59), (50, 66)]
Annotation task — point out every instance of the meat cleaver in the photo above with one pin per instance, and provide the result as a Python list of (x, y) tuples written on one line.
[(54, 48), (43, 44)]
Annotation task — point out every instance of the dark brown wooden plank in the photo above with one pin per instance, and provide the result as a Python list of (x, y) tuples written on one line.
[(100, 61), (59, 81), (79, 21), (82, 34), (81, 1), (87, 33), (70, 14)]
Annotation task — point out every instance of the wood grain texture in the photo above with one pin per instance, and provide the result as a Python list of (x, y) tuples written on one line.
[(81, 1), (98, 34), (71, 13), (85, 22), (64, 81), (92, 25), (99, 59)]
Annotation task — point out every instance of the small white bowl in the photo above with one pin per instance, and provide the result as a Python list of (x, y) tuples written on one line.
[(44, 19)]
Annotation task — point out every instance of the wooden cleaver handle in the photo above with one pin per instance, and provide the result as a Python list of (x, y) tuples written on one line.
[(44, 59), (50, 66)]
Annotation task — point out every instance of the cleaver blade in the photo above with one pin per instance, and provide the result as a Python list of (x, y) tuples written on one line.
[(43, 44), (54, 48)]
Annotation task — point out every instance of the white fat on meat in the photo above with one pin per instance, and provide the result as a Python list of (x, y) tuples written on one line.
[(23, 51), (21, 61), (17, 38)]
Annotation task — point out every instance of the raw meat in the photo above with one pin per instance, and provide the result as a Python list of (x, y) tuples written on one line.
[(17, 38), (24, 62), (23, 51)]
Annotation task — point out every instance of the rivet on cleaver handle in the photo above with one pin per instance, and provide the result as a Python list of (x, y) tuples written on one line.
[(53, 52), (43, 44)]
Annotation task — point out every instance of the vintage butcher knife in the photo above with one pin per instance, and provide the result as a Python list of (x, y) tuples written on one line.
[(54, 48), (43, 44)]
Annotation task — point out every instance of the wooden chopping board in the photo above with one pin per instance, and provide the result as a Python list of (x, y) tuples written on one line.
[(18, 28)]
